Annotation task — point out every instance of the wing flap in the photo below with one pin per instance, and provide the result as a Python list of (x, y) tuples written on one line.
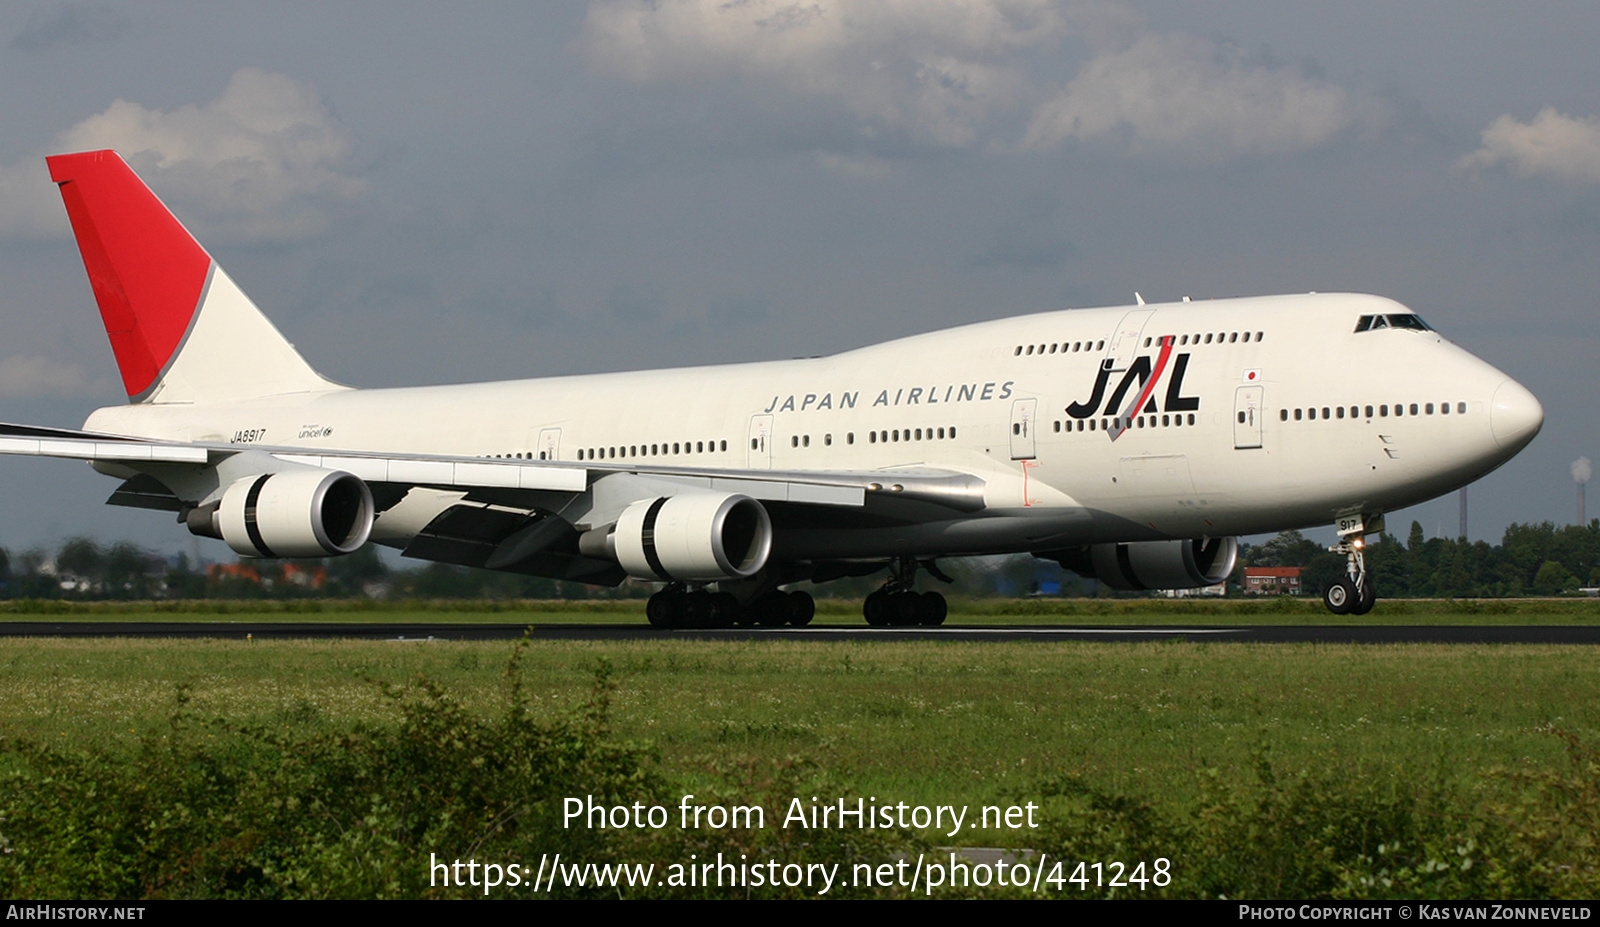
[(89, 449)]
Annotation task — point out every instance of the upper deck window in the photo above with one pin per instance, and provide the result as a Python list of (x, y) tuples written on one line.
[(1399, 320)]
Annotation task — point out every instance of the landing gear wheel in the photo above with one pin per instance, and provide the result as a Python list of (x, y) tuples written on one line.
[(666, 609), (904, 608), (724, 610), (1340, 597), (875, 607), (1354, 594), (802, 608), (770, 610), (1366, 597), (897, 605)]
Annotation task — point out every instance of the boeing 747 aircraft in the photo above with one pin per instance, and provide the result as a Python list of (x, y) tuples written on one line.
[(1131, 444)]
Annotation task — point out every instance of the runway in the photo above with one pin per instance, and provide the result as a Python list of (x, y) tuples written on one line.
[(423, 633)]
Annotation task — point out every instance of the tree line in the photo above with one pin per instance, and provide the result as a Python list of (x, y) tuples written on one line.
[(1531, 560)]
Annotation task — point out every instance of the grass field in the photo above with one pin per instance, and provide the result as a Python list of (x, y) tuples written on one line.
[(921, 722)]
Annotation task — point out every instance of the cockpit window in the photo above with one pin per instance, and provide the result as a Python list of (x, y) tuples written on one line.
[(1409, 320)]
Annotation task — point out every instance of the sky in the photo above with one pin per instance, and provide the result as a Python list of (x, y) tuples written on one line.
[(419, 193)]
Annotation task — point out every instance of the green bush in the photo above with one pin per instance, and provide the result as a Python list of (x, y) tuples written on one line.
[(207, 809)]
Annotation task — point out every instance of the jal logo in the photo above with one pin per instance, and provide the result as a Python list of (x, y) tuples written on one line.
[(1140, 380)]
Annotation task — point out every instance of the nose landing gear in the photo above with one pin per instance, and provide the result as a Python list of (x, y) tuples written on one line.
[(1353, 594)]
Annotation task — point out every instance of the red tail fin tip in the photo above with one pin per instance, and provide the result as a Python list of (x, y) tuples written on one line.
[(147, 271)]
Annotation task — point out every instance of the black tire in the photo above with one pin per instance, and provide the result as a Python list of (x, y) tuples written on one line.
[(905, 609), (875, 608), (698, 610), (1340, 597), (1366, 597), (724, 610), (771, 610), (802, 608), (665, 610), (932, 610)]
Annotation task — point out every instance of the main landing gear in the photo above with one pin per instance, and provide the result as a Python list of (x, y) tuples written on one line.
[(683, 606), (897, 604), (1354, 594)]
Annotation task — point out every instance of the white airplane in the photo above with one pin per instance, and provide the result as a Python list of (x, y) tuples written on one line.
[(1132, 444)]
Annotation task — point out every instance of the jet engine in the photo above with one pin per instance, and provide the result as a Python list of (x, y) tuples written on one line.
[(292, 513), (1152, 564), (697, 537)]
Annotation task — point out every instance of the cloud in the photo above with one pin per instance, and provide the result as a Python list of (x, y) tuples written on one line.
[(1555, 145), (23, 376), (909, 74), (265, 161), (68, 24), (1186, 94), (930, 70)]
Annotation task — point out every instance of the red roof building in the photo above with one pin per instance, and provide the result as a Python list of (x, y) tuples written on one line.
[(1272, 580)]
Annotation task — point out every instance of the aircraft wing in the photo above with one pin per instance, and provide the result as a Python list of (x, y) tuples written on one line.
[(506, 514), (953, 489)]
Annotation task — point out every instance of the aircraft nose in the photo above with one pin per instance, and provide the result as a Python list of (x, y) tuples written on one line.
[(1515, 416)]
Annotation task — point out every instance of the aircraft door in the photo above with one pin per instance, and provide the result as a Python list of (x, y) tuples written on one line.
[(1022, 428), (549, 444), (1247, 417), (760, 442), (1125, 343)]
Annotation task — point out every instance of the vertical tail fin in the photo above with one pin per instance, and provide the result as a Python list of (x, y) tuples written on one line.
[(182, 331)]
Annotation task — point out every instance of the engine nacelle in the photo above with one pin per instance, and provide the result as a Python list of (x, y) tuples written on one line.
[(1153, 564), (293, 513), (696, 536)]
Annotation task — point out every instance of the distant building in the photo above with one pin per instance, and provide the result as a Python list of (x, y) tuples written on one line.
[(1218, 589), (1272, 580)]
